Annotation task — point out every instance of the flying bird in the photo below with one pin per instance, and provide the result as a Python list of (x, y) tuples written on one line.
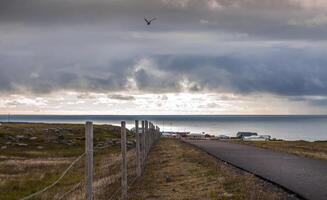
[(148, 22)]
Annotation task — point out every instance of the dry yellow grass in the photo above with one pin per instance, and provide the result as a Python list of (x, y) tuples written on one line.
[(176, 170), (316, 150), (27, 169)]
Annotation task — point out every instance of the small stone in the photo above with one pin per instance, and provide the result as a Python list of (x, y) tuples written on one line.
[(109, 142), (33, 138), (20, 137), (80, 138), (4, 147), (40, 147), (9, 137), (228, 195), (61, 137), (22, 144), (168, 179)]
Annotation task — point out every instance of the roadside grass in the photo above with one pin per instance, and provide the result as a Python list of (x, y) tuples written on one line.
[(176, 170), (317, 150)]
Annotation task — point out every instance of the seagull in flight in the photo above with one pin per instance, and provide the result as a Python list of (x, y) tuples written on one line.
[(148, 22)]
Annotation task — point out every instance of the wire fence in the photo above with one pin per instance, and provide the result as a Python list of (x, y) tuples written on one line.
[(112, 171)]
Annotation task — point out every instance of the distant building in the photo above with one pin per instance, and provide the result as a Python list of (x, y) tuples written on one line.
[(223, 137), (175, 134), (167, 134), (196, 136), (245, 134), (257, 138)]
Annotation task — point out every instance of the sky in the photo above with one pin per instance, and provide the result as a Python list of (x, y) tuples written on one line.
[(198, 57)]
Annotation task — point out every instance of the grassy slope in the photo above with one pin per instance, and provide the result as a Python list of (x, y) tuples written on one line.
[(193, 174), (24, 170), (316, 150)]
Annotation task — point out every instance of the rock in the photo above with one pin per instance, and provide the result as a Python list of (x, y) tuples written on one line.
[(40, 147), (20, 137), (3, 147), (11, 138), (168, 179), (100, 145), (80, 138), (33, 138), (227, 195), (8, 143), (61, 137), (109, 142), (22, 144)]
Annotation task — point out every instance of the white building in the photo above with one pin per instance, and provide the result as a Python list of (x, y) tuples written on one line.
[(196, 136), (257, 138)]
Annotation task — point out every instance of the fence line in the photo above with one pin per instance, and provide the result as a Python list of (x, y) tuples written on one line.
[(145, 139), (54, 183)]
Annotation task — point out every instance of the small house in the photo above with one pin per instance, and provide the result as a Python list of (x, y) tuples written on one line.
[(245, 134)]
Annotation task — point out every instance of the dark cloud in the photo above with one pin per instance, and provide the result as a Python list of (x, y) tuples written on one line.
[(241, 46), (276, 19), (287, 73), (284, 72)]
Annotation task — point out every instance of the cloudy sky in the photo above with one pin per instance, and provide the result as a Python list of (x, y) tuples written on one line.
[(198, 57)]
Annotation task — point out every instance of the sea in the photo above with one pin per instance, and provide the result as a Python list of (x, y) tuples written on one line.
[(287, 127)]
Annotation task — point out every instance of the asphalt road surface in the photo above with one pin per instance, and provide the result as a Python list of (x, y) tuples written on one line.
[(304, 176)]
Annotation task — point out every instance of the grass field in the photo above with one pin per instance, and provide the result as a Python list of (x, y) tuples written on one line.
[(32, 156), (316, 150), (176, 170)]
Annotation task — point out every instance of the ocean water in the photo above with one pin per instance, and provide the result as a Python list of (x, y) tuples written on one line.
[(288, 127)]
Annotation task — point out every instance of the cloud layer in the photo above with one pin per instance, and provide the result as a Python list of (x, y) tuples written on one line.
[(231, 46)]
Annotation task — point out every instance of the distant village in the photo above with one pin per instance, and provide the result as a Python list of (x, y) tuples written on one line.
[(245, 136)]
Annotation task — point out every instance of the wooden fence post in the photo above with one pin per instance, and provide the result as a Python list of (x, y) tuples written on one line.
[(124, 161), (89, 159), (146, 138), (143, 145), (138, 153)]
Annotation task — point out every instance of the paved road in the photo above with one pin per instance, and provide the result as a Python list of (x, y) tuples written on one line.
[(304, 176)]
